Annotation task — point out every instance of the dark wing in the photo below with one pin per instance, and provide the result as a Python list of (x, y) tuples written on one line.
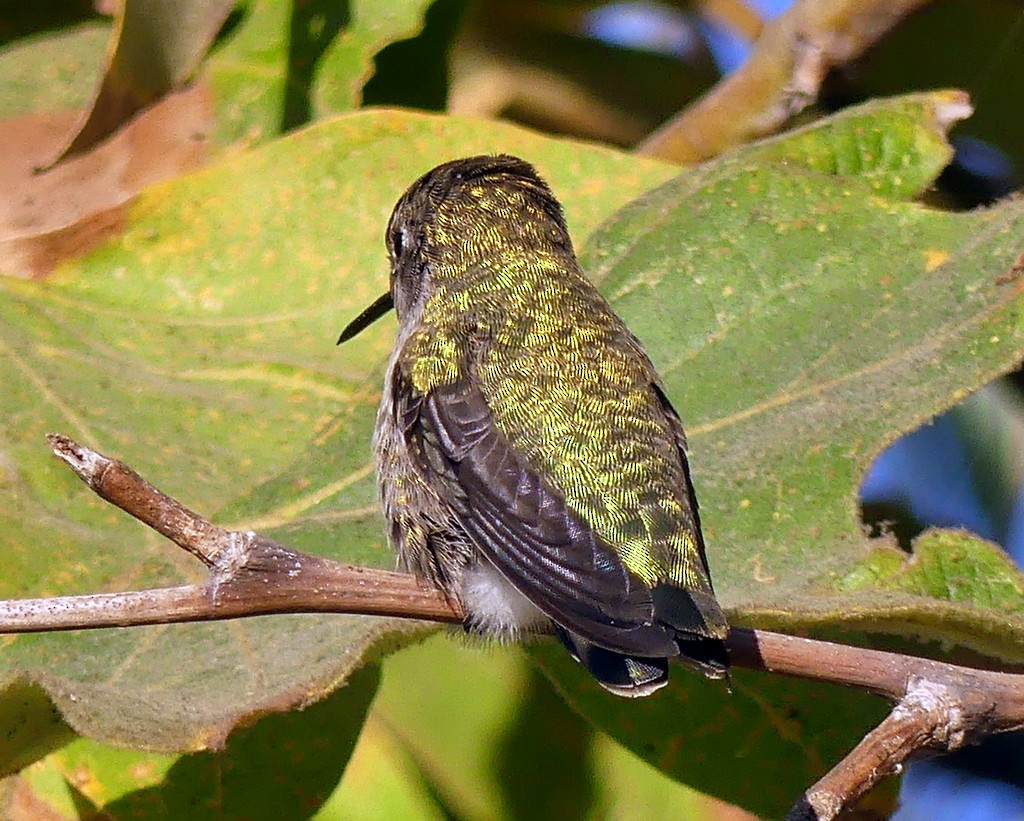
[(524, 527)]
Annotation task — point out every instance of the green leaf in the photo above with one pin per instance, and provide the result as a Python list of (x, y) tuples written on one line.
[(348, 63), (200, 347), (33, 727), (381, 783), (481, 733), (299, 757), (758, 742), (802, 324), (803, 315), (287, 63), (947, 566), (475, 701), (156, 49)]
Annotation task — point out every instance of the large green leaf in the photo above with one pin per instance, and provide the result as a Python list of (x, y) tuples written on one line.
[(156, 50), (802, 310), (200, 347), (484, 735), (803, 313), (809, 316), (348, 62), (277, 65)]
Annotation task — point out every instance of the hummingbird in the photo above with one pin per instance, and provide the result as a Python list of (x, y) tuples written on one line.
[(529, 462)]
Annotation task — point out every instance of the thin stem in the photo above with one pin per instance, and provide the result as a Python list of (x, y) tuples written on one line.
[(782, 76)]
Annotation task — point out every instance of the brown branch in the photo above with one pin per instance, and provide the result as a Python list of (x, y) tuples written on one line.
[(939, 707), (927, 718), (781, 77), (249, 574)]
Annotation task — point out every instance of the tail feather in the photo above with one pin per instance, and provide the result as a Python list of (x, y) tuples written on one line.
[(704, 655), (689, 612), (623, 675), (636, 676)]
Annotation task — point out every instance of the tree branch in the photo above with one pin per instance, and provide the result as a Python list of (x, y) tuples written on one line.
[(927, 718), (781, 77), (249, 574), (938, 707)]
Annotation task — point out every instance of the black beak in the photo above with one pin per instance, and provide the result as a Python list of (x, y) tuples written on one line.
[(381, 305)]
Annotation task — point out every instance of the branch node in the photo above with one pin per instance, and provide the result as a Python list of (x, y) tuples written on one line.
[(819, 804), (810, 65), (939, 706), (232, 554)]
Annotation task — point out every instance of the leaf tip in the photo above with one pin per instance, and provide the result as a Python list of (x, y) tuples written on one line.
[(951, 107)]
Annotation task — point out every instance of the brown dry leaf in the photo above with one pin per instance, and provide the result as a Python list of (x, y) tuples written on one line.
[(57, 214)]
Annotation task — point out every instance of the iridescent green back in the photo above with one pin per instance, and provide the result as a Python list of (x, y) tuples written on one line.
[(565, 380)]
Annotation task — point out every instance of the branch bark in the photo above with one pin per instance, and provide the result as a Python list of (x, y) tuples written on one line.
[(938, 707), (249, 574), (781, 77)]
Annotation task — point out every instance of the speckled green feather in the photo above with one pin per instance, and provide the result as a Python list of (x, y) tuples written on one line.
[(566, 381)]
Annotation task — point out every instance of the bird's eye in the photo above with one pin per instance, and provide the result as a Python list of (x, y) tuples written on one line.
[(396, 243)]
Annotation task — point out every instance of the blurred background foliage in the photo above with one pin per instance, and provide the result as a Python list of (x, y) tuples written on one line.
[(611, 72)]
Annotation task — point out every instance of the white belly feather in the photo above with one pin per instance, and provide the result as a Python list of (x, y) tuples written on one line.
[(495, 607)]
